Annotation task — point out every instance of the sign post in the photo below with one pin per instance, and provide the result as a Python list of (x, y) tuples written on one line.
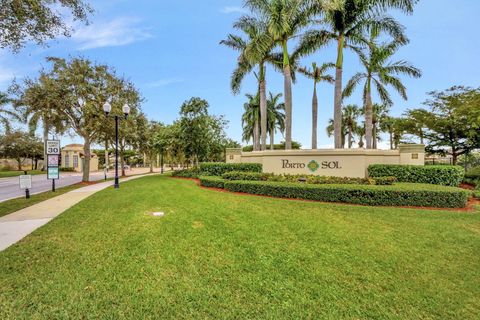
[(52, 148), (25, 182)]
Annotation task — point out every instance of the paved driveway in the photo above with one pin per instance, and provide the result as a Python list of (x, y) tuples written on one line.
[(9, 188)]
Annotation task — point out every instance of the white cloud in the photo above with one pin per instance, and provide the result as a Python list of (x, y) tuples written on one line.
[(229, 10), (164, 82), (117, 32)]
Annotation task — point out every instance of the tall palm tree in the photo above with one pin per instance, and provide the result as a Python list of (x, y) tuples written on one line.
[(251, 119), (350, 117), (285, 20), (346, 22), (275, 117), (5, 114), (254, 52), (317, 74), (379, 116), (379, 73)]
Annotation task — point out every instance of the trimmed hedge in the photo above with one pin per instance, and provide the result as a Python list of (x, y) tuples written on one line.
[(251, 176), (212, 182), (219, 168), (187, 173), (473, 176), (309, 179), (419, 195), (440, 175)]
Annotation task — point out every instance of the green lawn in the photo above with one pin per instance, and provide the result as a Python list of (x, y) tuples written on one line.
[(8, 174), (13, 205), (228, 256)]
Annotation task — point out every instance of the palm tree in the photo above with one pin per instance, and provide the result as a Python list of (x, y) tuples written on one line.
[(275, 116), (5, 114), (254, 51), (350, 117), (395, 129), (360, 132), (317, 74), (285, 20), (251, 119), (379, 72), (379, 116), (346, 23)]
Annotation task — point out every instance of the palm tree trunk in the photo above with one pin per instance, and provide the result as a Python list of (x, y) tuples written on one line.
[(288, 97), (350, 137), (256, 136), (263, 108), (45, 138), (391, 140), (86, 160), (272, 139), (374, 137), (369, 117), (337, 113), (314, 116)]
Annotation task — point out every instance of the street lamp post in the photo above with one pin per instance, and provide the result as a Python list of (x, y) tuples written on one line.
[(107, 108)]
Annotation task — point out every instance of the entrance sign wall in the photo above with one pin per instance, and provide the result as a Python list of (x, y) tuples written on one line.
[(332, 162)]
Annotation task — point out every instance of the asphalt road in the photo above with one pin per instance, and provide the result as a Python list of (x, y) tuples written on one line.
[(9, 187)]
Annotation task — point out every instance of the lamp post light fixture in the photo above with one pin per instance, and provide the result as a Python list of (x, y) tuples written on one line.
[(107, 108)]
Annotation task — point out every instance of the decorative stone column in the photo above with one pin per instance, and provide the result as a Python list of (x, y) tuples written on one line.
[(233, 155), (412, 154)]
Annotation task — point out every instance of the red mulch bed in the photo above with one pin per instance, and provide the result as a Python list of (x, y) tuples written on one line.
[(472, 202)]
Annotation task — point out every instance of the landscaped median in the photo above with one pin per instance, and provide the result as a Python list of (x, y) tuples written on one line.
[(400, 194)]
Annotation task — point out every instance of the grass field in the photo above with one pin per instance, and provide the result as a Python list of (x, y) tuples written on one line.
[(13, 205), (8, 174), (229, 256)]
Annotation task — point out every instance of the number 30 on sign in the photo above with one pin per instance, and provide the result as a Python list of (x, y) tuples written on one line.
[(52, 147)]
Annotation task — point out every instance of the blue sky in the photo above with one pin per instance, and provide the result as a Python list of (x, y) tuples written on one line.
[(170, 50)]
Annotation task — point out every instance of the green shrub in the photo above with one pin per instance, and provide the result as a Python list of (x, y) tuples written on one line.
[(385, 181), (64, 169), (421, 195), (187, 173), (212, 182), (251, 176), (441, 175), (219, 168), (473, 176)]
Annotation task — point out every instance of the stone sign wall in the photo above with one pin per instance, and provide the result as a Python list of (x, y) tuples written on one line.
[(339, 162)]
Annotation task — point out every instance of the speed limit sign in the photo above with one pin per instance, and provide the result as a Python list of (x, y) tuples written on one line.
[(52, 147)]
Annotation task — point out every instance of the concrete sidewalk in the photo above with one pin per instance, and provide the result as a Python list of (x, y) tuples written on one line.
[(17, 225)]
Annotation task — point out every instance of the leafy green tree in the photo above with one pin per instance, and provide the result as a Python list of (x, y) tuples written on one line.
[(83, 88), (318, 75), (451, 129), (346, 22), (202, 134), (254, 51), (275, 117), (285, 20), (19, 146), (414, 122), (379, 73), (37, 101), (37, 20)]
